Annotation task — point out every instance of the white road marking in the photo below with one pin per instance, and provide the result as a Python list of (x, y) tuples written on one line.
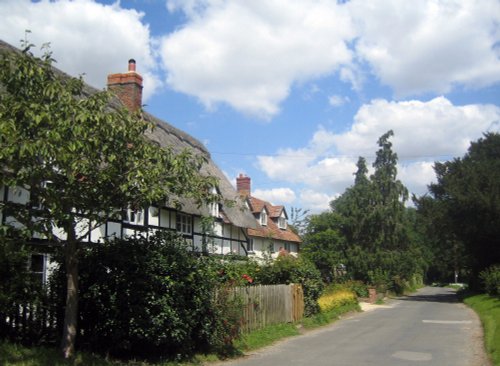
[(447, 321), (412, 356)]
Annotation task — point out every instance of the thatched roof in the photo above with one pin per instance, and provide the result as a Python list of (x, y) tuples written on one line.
[(167, 135)]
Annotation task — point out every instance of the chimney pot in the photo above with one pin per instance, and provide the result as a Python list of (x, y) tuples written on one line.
[(131, 65)]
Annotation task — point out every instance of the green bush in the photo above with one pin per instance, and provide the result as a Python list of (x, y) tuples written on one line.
[(23, 298), (490, 279), (358, 287), (288, 269), (152, 298)]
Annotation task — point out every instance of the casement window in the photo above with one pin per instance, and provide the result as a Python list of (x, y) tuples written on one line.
[(134, 217), (184, 224), (35, 198), (282, 223), (250, 245), (214, 206), (263, 218), (214, 209), (288, 247), (38, 267)]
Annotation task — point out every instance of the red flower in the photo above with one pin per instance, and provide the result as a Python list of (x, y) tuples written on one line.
[(247, 278)]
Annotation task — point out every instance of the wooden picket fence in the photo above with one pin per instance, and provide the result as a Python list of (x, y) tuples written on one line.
[(270, 304)]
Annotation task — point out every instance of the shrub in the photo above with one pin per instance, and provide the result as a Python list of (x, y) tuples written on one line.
[(490, 279), (24, 301), (152, 298), (358, 287), (336, 299), (288, 269)]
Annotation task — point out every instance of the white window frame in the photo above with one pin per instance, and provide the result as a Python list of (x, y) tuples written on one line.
[(250, 247), (263, 218), (134, 217), (214, 206), (184, 223), (39, 274), (282, 222)]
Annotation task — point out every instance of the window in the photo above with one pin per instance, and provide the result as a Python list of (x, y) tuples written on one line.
[(36, 201), (214, 209), (214, 206), (287, 247), (134, 217), (250, 245), (184, 224), (282, 223), (263, 218), (37, 267)]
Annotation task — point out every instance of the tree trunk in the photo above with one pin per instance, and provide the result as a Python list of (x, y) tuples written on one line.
[(71, 310)]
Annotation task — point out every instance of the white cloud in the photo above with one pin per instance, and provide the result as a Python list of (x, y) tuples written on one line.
[(417, 176), (249, 53), (85, 37), (337, 100), (277, 196), (429, 45), (315, 201), (424, 132)]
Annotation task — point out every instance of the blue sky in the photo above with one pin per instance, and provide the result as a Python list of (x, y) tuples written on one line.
[(292, 92)]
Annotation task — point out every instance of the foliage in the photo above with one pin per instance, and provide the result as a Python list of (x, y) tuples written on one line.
[(445, 255), (298, 220), (16, 355), (152, 298), (359, 288), (369, 233), (467, 192), (490, 278), (324, 245), (19, 289), (80, 159), (324, 318), (266, 336), (488, 309), (288, 269), (336, 299)]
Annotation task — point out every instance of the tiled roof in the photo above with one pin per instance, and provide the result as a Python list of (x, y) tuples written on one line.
[(271, 230)]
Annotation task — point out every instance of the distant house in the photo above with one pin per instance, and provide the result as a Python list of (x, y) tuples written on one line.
[(231, 222), (272, 236)]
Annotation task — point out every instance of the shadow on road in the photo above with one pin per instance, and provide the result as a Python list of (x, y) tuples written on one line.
[(444, 295)]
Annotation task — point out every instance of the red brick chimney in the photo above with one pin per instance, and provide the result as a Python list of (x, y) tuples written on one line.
[(243, 185), (127, 87)]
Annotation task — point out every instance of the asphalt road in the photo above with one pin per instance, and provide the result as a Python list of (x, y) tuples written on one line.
[(428, 328)]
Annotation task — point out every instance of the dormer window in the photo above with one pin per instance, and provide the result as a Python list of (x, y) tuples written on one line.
[(282, 223), (263, 218), (214, 206), (214, 209)]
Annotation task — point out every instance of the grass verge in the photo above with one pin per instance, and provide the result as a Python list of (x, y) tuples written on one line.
[(488, 309), (325, 318), (16, 355), (266, 336)]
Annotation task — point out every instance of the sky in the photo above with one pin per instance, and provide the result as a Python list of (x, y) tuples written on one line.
[(292, 92)]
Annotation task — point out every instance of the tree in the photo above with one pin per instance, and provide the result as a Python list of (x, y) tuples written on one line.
[(82, 161), (468, 190), (298, 220), (374, 222), (324, 244), (390, 196)]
